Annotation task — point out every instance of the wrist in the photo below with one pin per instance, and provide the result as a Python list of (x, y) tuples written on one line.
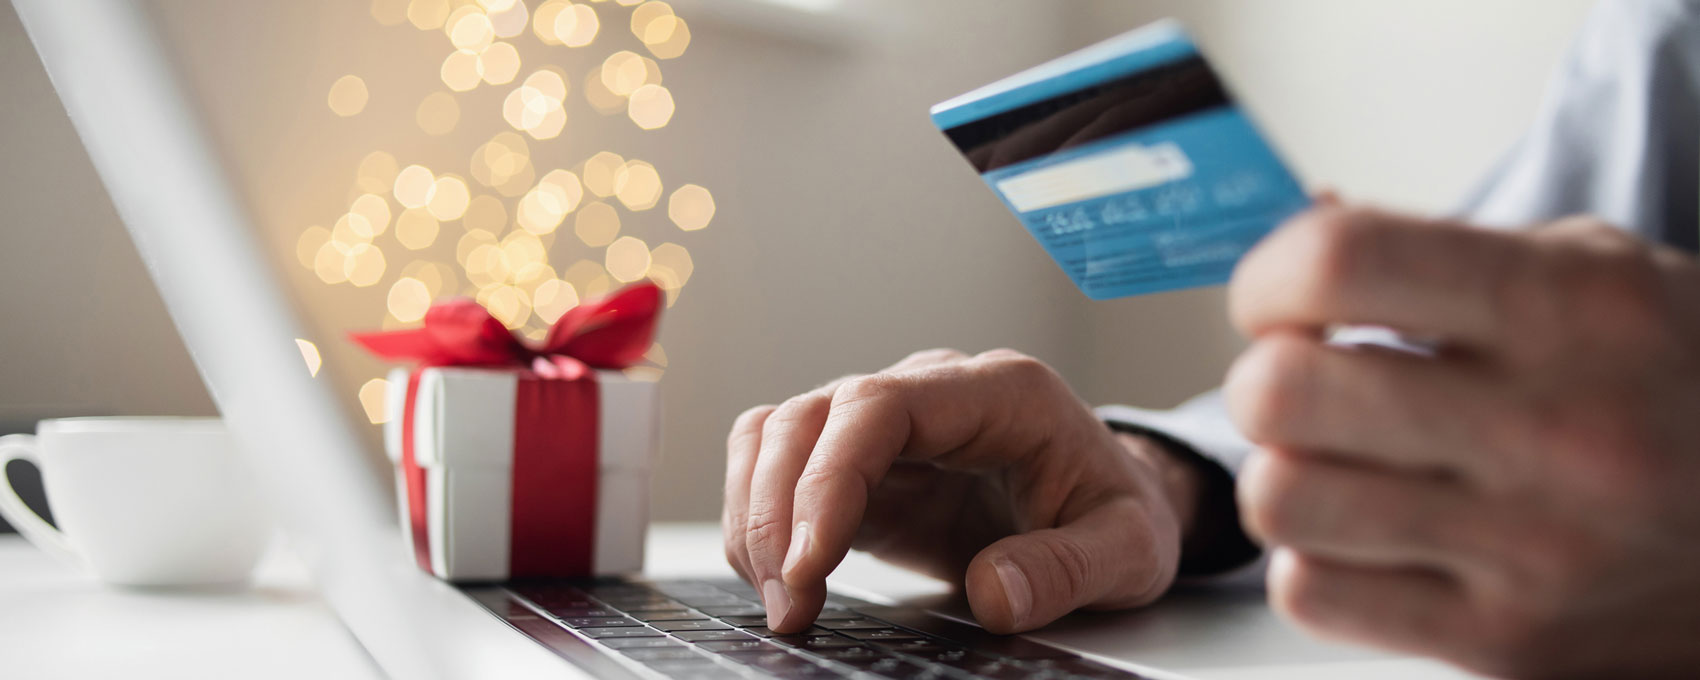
[(1201, 493)]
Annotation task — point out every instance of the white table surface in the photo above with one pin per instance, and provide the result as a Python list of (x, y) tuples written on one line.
[(56, 622)]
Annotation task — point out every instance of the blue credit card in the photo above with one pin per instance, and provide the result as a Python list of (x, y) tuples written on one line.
[(1128, 161)]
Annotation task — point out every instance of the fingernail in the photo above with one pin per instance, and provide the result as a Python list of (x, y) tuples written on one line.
[(778, 602), (799, 547), (1015, 589)]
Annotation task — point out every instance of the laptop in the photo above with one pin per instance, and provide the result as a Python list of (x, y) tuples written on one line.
[(235, 315)]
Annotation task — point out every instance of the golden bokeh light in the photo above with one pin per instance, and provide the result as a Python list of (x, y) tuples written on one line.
[(436, 277), (376, 173), (488, 266), (310, 355), (376, 212), (469, 242), (347, 96), (416, 229), (656, 355), (308, 244), (576, 25), (597, 224), (509, 305), (676, 259), (565, 186), (374, 397), (462, 70), (543, 20), (548, 82), (363, 266), (645, 15), (599, 171), (625, 3), (427, 14), (470, 30), (413, 186), (690, 207), (502, 159), (438, 113), (389, 12), (523, 250), (448, 199), (408, 299), (552, 299), (637, 185), (674, 36), (510, 21), (494, 6), (627, 259), (485, 212), (353, 228), (650, 106), (328, 262), (623, 72), (499, 63)]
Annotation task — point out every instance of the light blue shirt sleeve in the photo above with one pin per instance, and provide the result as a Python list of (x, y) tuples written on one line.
[(1618, 137)]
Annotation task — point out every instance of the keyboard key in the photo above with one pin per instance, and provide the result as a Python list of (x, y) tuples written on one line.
[(646, 654), (631, 643), (734, 610), (993, 669), (581, 612), (916, 647), (882, 634), (934, 654), (892, 667), (673, 626), (706, 635), (830, 614), (814, 642), (669, 615), (764, 631), (619, 632), (774, 660), (746, 621), (851, 653), (858, 623), (712, 600), (599, 622), (724, 646)]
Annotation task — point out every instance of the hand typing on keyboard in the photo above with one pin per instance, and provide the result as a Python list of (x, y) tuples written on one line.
[(984, 470)]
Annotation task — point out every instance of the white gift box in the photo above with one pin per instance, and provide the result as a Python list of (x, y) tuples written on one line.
[(464, 440)]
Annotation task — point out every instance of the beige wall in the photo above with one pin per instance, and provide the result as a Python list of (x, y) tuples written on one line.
[(848, 233)]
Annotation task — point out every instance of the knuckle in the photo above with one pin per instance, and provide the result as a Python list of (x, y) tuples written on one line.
[(1338, 241), (1295, 593), (764, 531), (793, 412), (938, 355), (1025, 372), (1266, 387), (864, 389), (747, 425), (1267, 491)]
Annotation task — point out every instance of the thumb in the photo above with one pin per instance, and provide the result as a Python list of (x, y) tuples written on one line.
[(1113, 556)]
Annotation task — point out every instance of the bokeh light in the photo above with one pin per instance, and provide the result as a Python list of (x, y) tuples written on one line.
[(376, 173), (374, 396), (499, 63), (637, 185), (363, 265), (413, 186), (462, 70), (448, 198), (650, 106), (485, 212), (389, 12), (308, 244), (552, 299), (310, 355), (469, 242), (597, 224), (347, 96), (437, 113), (599, 172), (375, 212), (623, 72), (470, 30), (667, 37), (676, 260), (627, 259), (690, 207), (416, 229)]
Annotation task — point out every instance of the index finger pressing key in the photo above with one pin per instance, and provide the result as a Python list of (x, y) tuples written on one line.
[(872, 422)]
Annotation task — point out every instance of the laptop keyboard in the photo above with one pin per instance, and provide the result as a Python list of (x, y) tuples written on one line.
[(697, 629)]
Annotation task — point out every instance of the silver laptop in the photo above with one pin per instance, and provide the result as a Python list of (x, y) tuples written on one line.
[(165, 179)]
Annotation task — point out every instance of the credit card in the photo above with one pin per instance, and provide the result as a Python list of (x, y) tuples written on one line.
[(1128, 161)]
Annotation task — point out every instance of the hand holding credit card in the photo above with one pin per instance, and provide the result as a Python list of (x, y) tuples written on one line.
[(1128, 161)]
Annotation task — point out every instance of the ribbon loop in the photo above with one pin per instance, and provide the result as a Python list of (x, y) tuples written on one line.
[(612, 333)]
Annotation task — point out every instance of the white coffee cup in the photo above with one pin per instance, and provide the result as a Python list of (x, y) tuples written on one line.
[(142, 501)]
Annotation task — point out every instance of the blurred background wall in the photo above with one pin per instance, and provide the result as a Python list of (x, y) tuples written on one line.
[(847, 233)]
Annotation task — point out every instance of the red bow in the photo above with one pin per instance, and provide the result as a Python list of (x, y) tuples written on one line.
[(610, 333)]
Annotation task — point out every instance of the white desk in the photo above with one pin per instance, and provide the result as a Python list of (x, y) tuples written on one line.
[(58, 623)]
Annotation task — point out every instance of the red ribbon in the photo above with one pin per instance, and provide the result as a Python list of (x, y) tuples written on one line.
[(556, 409)]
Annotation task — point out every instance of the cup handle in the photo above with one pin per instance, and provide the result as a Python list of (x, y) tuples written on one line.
[(20, 516)]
